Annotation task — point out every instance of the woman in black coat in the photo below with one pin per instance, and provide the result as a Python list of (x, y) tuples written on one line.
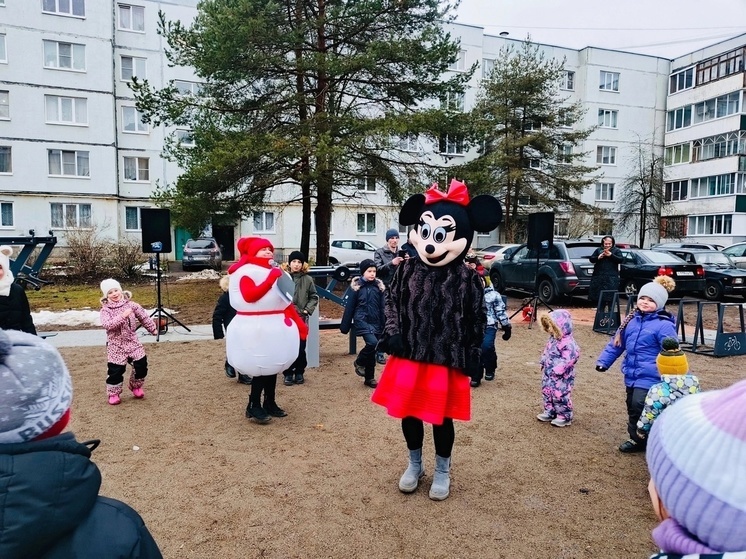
[(606, 260)]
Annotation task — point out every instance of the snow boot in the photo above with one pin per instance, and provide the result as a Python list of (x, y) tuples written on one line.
[(441, 487), (136, 385), (410, 479), (113, 391)]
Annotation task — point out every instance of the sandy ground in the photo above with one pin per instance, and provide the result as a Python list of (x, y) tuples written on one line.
[(322, 482)]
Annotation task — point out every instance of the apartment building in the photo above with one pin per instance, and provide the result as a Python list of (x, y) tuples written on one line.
[(74, 152), (706, 146)]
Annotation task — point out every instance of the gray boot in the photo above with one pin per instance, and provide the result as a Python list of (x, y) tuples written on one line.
[(441, 487), (411, 476)]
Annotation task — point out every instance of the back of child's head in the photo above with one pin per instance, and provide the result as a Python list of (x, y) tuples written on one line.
[(671, 360), (557, 323), (224, 282), (696, 455)]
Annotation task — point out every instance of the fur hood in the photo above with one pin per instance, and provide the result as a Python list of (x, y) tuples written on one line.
[(304, 270), (224, 282), (358, 282)]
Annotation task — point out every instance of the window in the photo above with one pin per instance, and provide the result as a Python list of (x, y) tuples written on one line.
[(527, 201), (132, 121), (607, 118), (673, 227), (68, 216), (264, 222), (3, 52), (187, 88), (676, 190), (606, 155), (722, 145), (409, 142), (567, 80), (132, 218), (64, 56), (68, 163), (185, 138), (609, 81), (534, 163), (6, 214), (66, 110), (716, 185), (367, 183), (564, 153), (137, 169), (603, 226), (488, 64), (366, 223), (63, 7), (4, 105), (560, 227), (5, 160), (131, 18), (133, 66), (450, 144), (677, 154), (460, 64), (710, 224), (452, 101), (681, 80), (679, 118), (721, 66), (565, 118), (604, 192)]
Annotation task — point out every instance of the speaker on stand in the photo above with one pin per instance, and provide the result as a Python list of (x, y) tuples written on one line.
[(540, 238), (155, 224)]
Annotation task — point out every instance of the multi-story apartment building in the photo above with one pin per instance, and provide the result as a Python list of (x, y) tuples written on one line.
[(74, 152), (706, 146)]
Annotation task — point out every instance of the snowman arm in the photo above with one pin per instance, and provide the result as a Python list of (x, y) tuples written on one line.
[(293, 315), (252, 292)]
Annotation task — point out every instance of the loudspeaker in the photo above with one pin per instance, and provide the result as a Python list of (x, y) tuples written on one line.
[(155, 224), (540, 230)]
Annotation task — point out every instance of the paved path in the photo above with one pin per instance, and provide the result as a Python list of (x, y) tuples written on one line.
[(97, 336)]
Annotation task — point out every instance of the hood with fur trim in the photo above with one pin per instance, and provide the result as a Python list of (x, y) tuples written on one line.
[(7, 279)]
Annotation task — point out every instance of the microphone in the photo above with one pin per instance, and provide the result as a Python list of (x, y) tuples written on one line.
[(273, 264)]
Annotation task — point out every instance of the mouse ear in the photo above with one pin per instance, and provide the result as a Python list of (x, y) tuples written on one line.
[(485, 212), (412, 209)]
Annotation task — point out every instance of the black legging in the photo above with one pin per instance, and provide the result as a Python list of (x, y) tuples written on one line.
[(443, 435), (266, 384)]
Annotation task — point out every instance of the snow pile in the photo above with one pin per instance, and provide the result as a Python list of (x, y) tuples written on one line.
[(208, 274), (85, 317)]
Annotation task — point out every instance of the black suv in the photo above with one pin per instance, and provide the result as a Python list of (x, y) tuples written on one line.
[(563, 269), (722, 277)]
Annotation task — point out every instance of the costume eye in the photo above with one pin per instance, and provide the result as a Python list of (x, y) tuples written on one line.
[(439, 235), (425, 231)]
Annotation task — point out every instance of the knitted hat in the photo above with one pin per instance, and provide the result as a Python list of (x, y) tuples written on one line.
[(391, 233), (35, 388), (297, 255), (7, 280), (696, 456), (365, 264), (671, 360), (658, 290), (109, 284)]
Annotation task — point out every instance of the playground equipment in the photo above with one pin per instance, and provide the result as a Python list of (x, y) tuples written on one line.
[(29, 274)]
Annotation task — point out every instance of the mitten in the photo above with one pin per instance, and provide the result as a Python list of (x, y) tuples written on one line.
[(507, 332), (473, 368), (394, 345), (601, 368)]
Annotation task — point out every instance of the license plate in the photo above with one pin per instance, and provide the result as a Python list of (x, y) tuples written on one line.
[(589, 272), (738, 281), (685, 273)]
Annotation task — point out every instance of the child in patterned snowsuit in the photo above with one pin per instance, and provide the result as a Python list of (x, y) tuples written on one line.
[(121, 316), (558, 368)]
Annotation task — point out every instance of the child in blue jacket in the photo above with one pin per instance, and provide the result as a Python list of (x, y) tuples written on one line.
[(640, 335)]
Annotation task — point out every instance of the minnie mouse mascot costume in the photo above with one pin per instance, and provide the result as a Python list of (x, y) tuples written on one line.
[(435, 320)]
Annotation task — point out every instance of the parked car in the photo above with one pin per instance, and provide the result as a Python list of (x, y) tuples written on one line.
[(722, 277), (687, 245), (350, 252), (203, 252), (489, 255), (737, 254), (642, 265), (563, 269)]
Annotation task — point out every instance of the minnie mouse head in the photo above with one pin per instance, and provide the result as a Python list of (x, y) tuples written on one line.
[(445, 222)]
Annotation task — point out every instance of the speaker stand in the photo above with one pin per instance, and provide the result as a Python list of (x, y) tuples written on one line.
[(534, 300), (159, 311)]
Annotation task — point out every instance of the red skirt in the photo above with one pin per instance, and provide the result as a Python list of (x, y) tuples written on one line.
[(423, 390)]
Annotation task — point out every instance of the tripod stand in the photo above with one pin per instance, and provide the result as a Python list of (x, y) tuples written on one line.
[(534, 301), (159, 310)]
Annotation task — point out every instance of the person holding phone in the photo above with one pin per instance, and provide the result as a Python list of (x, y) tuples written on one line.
[(606, 260)]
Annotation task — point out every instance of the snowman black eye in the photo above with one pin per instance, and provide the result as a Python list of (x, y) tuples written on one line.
[(439, 235), (425, 231)]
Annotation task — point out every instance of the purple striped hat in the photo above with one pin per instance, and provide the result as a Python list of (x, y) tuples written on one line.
[(697, 460)]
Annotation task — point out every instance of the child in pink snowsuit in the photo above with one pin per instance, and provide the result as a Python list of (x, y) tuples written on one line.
[(121, 316), (558, 368)]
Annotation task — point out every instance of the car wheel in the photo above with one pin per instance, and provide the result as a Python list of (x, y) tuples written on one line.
[(547, 292), (185, 267), (497, 282), (629, 287), (713, 291)]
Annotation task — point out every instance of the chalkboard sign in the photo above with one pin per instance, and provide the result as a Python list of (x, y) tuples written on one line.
[(727, 344)]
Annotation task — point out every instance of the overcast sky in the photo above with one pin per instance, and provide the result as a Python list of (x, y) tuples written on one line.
[(667, 28)]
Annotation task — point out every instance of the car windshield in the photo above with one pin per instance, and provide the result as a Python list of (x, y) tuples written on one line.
[(660, 257), (717, 258), (202, 243)]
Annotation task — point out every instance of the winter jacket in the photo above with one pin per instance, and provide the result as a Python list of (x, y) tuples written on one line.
[(222, 316), (605, 272), (431, 307), (50, 507), (305, 298), (385, 269), (561, 352), (15, 313), (495, 306), (122, 342), (641, 340), (365, 307)]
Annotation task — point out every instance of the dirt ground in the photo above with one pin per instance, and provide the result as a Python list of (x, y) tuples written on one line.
[(322, 482)]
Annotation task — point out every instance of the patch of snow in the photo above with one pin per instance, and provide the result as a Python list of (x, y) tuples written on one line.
[(74, 317), (207, 274)]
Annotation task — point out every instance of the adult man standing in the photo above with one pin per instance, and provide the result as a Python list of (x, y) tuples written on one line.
[(387, 259)]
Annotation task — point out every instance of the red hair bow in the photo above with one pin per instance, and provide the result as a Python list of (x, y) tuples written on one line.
[(457, 193)]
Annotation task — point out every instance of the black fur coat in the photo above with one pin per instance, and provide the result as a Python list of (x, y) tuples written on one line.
[(439, 312)]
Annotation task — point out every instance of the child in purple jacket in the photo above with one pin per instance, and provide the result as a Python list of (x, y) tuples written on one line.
[(558, 368)]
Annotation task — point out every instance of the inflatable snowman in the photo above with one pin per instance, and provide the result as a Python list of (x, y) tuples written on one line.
[(264, 336)]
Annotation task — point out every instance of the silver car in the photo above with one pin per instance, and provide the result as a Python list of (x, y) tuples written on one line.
[(203, 252)]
